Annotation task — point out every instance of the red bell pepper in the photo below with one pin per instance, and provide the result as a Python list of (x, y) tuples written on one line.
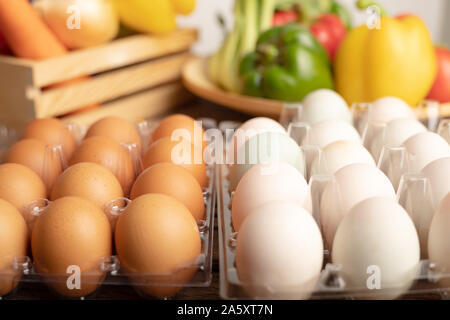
[(329, 30), (441, 87)]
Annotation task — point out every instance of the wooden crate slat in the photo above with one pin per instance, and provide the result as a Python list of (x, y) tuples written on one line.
[(11, 60), (109, 86), (138, 106), (119, 53), (15, 83)]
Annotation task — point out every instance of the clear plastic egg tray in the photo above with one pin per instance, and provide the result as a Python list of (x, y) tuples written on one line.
[(413, 193), (109, 271)]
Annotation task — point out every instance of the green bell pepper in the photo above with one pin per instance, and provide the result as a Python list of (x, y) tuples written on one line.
[(288, 64)]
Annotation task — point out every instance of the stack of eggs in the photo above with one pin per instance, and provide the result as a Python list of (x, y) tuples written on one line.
[(399, 142), (279, 248), (156, 235)]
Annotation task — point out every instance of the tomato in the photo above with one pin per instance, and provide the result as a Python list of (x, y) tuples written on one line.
[(282, 17), (329, 30), (441, 87)]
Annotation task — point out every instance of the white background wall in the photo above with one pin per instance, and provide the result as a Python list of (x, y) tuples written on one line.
[(436, 14)]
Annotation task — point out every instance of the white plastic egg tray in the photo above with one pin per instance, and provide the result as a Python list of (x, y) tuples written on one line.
[(413, 193), (22, 270), (331, 284)]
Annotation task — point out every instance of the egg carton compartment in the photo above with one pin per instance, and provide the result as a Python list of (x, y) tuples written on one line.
[(108, 271), (383, 140), (429, 279), (413, 194), (7, 137)]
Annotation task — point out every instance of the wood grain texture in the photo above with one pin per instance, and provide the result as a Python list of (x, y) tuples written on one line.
[(113, 55), (109, 72), (139, 106), (110, 85), (15, 106)]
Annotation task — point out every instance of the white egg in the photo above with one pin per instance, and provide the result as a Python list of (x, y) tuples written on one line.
[(378, 248), (395, 134), (390, 108), (262, 123), (439, 241), (253, 127), (325, 104), (279, 252), (338, 155), (438, 175), (385, 110), (266, 148), (256, 188), (327, 132), (424, 148), (350, 185)]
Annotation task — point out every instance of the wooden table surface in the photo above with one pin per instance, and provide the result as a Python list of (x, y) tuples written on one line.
[(197, 109)]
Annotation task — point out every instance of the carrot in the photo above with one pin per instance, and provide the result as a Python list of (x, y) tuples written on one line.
[(25, 33)]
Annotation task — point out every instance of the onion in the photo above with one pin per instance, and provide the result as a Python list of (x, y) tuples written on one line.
[(80, 23)]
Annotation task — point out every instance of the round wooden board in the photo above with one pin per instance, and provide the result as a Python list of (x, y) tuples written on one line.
[(196, 80)]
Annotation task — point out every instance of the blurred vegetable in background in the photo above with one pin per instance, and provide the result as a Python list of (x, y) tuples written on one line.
[(100, 21), (288, 64), (329, 30), (396, 60), (252, 17), (153, 16), (342, 13), (3, 46), (309, 10), (441, 87), (25, 33), (282, 17)]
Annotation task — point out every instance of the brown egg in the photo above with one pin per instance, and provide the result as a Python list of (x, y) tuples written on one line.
[(174, 181), (19, 185), (34, 154), (119, 129), (156, 236), (164, 149), (90, 181), (110, 154), (168, 125), (70, 232), (13, 244), (28, 152), (52, 132)]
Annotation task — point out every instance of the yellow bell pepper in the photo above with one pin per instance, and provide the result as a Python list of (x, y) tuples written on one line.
[(153, 16), (398, 59)]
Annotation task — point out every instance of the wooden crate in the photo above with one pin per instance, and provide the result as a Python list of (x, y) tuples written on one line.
[(135, 77)]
